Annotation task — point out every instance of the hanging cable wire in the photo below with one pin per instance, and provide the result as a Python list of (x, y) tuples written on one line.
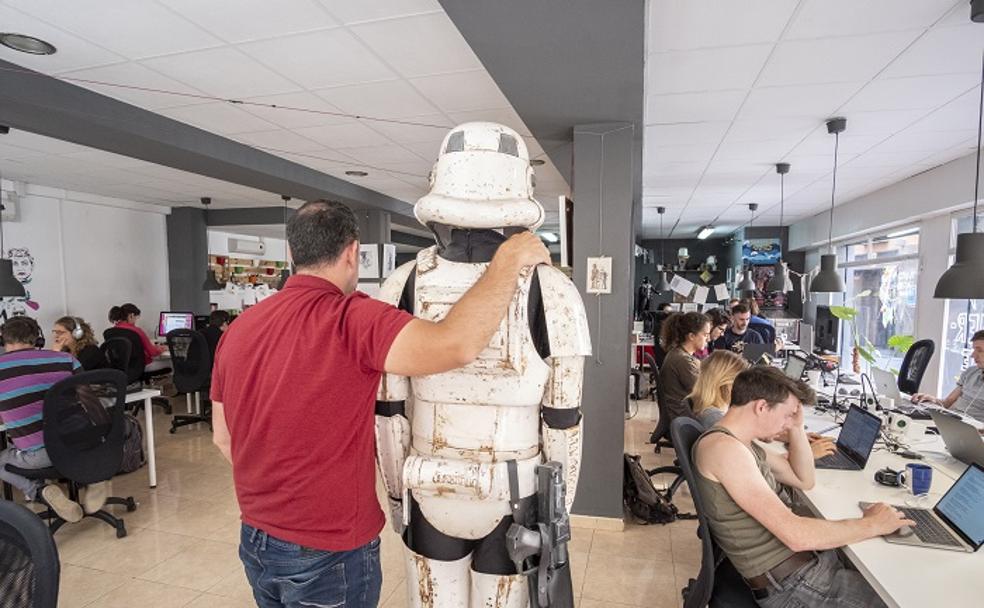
[(833, 191)]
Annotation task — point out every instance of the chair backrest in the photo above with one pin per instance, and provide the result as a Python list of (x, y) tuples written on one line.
[(135, 362), (190, 359), (117, 353), (914, 365), (29, 567), (84, 425), (765, 330)]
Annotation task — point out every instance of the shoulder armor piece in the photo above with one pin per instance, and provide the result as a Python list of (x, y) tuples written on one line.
[(567, 323), (392, 287)]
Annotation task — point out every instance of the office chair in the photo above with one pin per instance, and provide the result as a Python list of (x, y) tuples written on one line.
[(29, 567), (914, 366), (766, 331), (83, 435), (136, 374), (718, 584), (117, 353), (192, 364), (661, 434)]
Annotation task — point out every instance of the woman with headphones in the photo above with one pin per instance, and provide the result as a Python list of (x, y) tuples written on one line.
[(73, 335)]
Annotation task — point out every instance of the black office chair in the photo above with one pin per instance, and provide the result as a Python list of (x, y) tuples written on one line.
[(192, 363), (914, 366), (660, 437), (29, 567), (766, 331), (117, 353), (136, 374), (83, 435), (718, 584)]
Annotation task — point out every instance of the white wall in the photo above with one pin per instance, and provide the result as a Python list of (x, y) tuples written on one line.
[(90, 253)]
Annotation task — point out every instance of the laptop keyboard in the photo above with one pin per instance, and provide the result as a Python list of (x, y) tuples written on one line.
[(837, 460), (928, 529)]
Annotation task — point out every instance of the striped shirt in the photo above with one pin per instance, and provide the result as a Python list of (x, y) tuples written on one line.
[(25, 376)]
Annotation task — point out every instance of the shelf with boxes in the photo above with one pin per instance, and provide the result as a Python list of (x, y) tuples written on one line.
[(244, 270)]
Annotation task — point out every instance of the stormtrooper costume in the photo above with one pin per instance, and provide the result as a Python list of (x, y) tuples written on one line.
[(445, 441)]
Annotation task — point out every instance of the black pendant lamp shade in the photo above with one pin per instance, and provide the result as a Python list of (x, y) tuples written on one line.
[(211, 283), (284, 275), (661, 283), (747, 282), (10, 287), (780, 278), (965, 279), (829, 279)]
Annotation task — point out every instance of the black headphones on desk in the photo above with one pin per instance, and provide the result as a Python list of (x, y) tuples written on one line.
[(890, 477), (32, 324)]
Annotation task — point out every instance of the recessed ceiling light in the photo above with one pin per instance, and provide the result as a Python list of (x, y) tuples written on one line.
[(357, 173), (536, 162), (27, 44)]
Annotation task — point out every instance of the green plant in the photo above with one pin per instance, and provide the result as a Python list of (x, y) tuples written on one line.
[(901, 343)]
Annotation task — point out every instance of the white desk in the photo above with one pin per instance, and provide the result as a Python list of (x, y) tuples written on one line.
[(146, 395), (903, 576)]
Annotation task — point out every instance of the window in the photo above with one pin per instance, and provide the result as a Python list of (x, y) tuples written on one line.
[(963, 318), (887, 268)]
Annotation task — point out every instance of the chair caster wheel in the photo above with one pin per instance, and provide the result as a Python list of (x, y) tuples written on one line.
[(131, 505), (120, 531), (173, 430)]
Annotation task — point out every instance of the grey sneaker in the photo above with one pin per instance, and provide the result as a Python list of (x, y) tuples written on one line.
[(95, 497), (66, 509)]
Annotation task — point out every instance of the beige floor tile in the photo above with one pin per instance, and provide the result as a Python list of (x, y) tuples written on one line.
[(140, 551), (628, 580), (579, 567), (146, 594), (397, 599), (204, 520), (87, 537), (645, 542), (580, 540), (81, 586), (201, 566), (234, 585), (588, 603)]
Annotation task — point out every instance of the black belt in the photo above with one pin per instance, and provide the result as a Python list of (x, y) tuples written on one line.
[(760, 584)]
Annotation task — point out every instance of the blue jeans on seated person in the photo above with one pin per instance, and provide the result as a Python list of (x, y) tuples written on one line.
[(287, 575), (824, 583)]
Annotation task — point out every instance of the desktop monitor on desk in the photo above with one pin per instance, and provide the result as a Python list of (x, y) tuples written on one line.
[(828, 330), (806, 338), (174, 320)]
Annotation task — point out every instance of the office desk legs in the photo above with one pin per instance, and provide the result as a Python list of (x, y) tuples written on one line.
[(149, 437)]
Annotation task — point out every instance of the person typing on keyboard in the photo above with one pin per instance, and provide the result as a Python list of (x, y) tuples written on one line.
[(968, 397), (786, 559)]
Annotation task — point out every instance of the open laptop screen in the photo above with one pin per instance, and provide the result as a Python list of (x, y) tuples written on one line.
[(961, 506), (858, 434), (795, 367)]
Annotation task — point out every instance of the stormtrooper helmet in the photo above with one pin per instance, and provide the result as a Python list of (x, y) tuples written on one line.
[(482, 179)]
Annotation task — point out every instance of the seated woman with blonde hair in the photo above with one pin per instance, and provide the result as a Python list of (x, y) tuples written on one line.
[(73, 335)]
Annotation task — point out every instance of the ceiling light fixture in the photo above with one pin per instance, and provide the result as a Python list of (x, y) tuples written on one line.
[(549, 237), (662, 284), (705, 232), (285, 273), (780, 280), (965, 279), (354, 173), (829, 279), (906, 232), (27, 44), (747, 284)]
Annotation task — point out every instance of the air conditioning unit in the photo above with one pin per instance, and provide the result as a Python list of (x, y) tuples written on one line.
[(246, 246)]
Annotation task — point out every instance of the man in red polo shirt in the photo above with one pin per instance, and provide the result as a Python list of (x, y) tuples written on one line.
[(293, 403)]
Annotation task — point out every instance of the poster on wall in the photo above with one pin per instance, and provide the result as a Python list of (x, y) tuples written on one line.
[(599, 279), (761, 251), (368, 261), (389, 259), (23, 264)]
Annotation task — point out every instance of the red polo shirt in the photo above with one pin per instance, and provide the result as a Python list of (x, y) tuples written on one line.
[(298, 374)]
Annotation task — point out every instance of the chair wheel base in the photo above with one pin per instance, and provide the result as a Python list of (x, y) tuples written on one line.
[(121, 531)]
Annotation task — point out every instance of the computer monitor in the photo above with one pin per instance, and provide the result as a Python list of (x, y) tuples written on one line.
[(174, 320), (806, 337), (828, 329)]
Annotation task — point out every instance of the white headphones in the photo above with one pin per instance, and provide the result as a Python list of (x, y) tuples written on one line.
[(77, 332)]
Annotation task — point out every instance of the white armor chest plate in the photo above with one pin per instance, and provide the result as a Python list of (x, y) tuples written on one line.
[(489, 410)]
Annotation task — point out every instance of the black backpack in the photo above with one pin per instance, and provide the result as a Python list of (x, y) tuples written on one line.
[(133, 454), (642, 498)]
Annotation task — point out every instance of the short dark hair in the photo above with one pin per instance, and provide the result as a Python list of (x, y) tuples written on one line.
[(718, 317), (678, 326), (319, 231), (739, 308), (770, 384), (20, 330), (752, 305), (978, 335), (218, 318)]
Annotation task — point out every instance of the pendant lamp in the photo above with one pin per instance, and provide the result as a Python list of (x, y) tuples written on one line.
[(285, 273), (212, 283), (747, 283), (661, 283), (829, 279), (965, 279), (780, 278), (10, 287)]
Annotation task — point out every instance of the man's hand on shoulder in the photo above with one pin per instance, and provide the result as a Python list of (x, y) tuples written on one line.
[(521, 250)]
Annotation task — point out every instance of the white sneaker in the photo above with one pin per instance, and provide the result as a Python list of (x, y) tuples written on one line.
[(65, 508), (95, 496)]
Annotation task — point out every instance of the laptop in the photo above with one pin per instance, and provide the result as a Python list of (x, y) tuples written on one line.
[(885, 384), (857, 437), (962, 440), (754, 352), (956, 523), (795, 366)]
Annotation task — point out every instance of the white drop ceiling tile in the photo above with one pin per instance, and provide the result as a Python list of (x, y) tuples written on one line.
[(352, 135), (960, 113), (691, 24), (426, 149), (218, 117), (842, 59), (419, 45), (135, 78), (296, 110), (715, 69), (387, 154), (429, 129), (349, 12), (315, 60), (942, 50), (387, 99), (222, 72), (108, 159), (461, 91), (883, 122), (131, 29), (8, 152), (813, 101), (693, 107), (252, 19), (661, 183), (767, 151), (40, 143), (685, 153), (416, 170), (888, 157), (742, 168), (505, 116), (674, 169), (930, 142), (677, 134), (73, 51), (764, 129), (920, 92), (279, 139), (819, 143), (830, 18)]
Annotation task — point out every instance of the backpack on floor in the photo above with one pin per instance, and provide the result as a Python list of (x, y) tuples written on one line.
[(133, 453), (642, 498)]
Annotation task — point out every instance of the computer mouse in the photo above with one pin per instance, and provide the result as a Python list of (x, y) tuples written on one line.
[(905, 531)]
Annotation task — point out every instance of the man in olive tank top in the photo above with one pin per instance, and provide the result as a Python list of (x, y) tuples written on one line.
[(785, 558)]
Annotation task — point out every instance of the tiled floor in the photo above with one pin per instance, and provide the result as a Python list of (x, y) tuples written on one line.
[(181, 547)]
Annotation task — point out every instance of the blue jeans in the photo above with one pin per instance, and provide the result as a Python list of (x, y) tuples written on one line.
[(286, 575), (825, 583)]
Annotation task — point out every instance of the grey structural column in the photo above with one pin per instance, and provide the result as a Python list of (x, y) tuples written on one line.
[(187, 259), (375, 228), (604, 226)]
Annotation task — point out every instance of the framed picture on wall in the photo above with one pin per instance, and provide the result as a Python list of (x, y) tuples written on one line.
[(368, 261)]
